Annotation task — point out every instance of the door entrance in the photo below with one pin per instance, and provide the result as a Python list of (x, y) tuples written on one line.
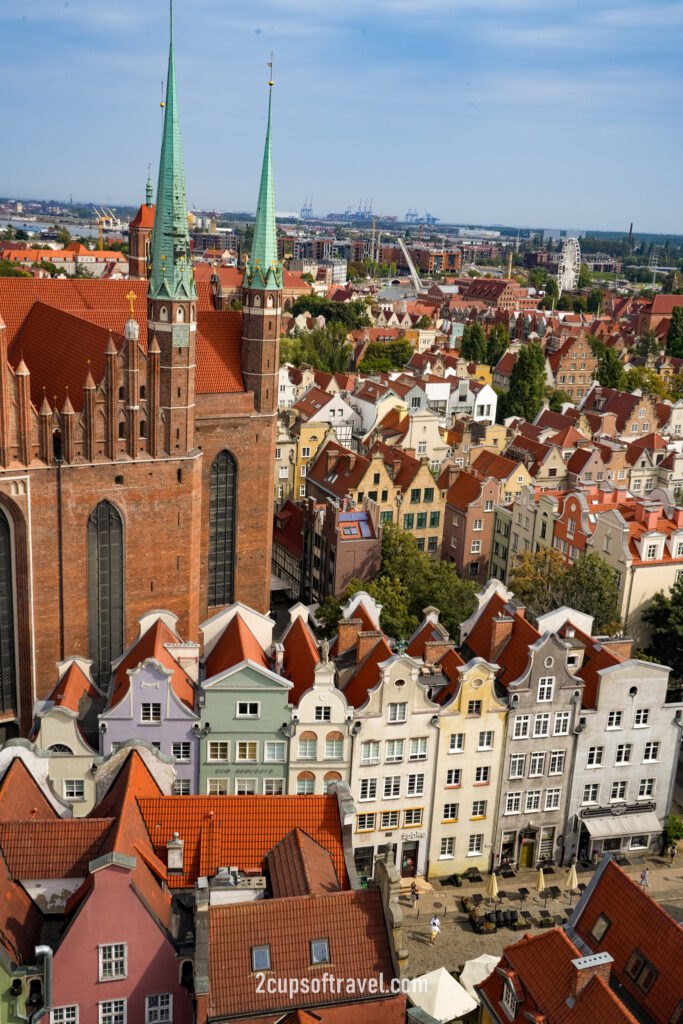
[(409, 860), (526, 856)]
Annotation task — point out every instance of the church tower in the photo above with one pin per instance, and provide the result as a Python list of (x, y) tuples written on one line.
[(172, 294), (140, 235), (262, 295)]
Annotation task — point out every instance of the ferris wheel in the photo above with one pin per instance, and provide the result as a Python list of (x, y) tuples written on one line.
[(569, 266)]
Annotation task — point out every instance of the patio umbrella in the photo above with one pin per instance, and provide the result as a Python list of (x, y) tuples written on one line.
[(571, 882), (540, 882), (492, 887)]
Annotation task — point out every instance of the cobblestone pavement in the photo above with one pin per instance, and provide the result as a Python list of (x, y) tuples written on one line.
[(457, 942)]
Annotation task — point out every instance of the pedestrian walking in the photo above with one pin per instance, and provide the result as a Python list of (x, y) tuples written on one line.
[(435, 926), (673, 850), (414, 895), (645, 878)]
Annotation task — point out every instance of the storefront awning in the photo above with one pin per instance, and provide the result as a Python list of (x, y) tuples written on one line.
[(622, 825)]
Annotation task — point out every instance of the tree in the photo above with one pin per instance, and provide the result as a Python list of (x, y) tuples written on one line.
[(585, 276), (647, 381), (598, 347), (674, 337), (423, 323), (49, 267), (439, 585), (352, 314), (538, 277), (496, 346), (527, 383), (8, 269), (556, 399), (473, 343), (552, 292), (380, 357), (21, 235), (536, 579), (542, 583), (63, 237), (324, 348), (594, 301), (610, 371), (648, 344), (664, 615)]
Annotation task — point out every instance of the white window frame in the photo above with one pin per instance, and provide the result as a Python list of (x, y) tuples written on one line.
[(542, 725), (485, 743), (447, 848), (248, 713), (107, 1015), (453, 773), (393, 752), (475, 548), (641, 718), (185, 751), (623, 753), (557, 762), (456, 743), (248, 743), (478, 809), (618, 791), (114, 959), (475, 845), (552, 798), (58, 1014), (334, 749), (74, 789), (482, 775), (148, 713), (391, 787), (513, 803), (217, 787), (415, 784), (546, 686), (181, 787), (478, 525), (532, 801), (451, 811), (614, 719), (651, 747), (516, 759), (152, 1015), (373, 758), (306, 756), (593, 789), (367, 791), (521, 727), (418, 749), (246, 787), (220, 744), (322, 713), (274, 743), (270, 785), (397, 711), (536, 764)]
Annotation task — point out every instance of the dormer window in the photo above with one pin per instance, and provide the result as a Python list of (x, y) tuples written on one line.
[(509, 999), (651, 551), (260, 958), (320, 951)]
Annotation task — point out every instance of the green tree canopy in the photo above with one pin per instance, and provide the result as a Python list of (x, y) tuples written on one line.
[(527, 383), (598, 347), (542, 583), (497, 344), (63, 237), (380, 357), (647, 381), (664, 615), (325, 348), (556, 399), (423, 323), (9, 269), (674, 337), (610, 371), (648, 344), (473, 343), (352, 314), (585, 276), (595, 300)]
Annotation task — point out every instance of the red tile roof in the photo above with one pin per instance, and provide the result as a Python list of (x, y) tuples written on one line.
[(60, 848), (514, 656), (20, 920), (637, 923), (144, 218), (465, 490), (219, 345), (449, 665), (73, 685), (567, 437), (236, 643), (229, 830), (409, 466), (497, 466), (152, 644), (344, 476), (352, 922), (288, 528), (301, 657), (21, 797), (298, 866), (312, 403), (366, 675), (595, 659)]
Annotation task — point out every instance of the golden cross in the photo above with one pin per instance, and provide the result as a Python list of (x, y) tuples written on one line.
[(131, 296)]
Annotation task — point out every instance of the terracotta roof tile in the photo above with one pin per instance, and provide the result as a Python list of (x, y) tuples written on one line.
[(367, 673), (144, 218), (288, 527), (236, 643), (73, 685), (352, 922), (298, 866), (61, 848), (490, 464), (21, 797), (219, 369), (20, 920), (514, 657), (301, 657), (465, 490), (449, 665), (229, 830), (152, 644)]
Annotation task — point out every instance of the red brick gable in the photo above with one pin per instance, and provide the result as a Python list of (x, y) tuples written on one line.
[(21, 797)]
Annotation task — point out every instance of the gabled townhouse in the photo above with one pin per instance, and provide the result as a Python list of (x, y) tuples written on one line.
[(153, 697), (317, 406), (372, 400), (575, 519), (511, 476), (545, 462), (573, 366), (287, 391), (418, 432), (586, 423), (634, 414), (643, 458), (533, 517), (586, 467), (468, 766), (472, 398), (339, 543), (244, 707), (298, 440), (500, 544), (544, 700), (468, 525), (285, 455)]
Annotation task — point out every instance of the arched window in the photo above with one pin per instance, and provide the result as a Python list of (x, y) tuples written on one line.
[(8, 661), (222, 511), (105, 589), (60, 748), (180, 315), (330, 777), (305, 784)]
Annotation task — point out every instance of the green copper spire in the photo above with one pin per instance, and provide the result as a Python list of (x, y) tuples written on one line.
[(149, 189), (172, 274), (263, 269)]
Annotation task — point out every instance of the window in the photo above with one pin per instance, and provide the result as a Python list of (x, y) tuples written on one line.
[(542, 725), (74, 789), (305, 453), (247, 709), (150, 714), (368, 789), (590, 793), (412, 817), (307, 748), (646, 789), (474, 707), (600, 927), (475, 845), (415, 496), (434, 519), (457, 743), (485, 740), (447, 846), (222, 505), (475, 548), (421, 520), (517, 762), (618, 791), (320, 951), (479, 809), (428, 494), (533, 801), (433, 544), (369, 752), (545, 688), (273, 787), (408, 521), (283, 473), (218, 750), (305, 784), (159, 1009), (536, 764), (334, 746), (113, 961), (416, 785), (651, 752), (556, 762), (398, 712), (614, 720), (521, 729), (513, 803), (260, 958), (623, 755), (641, 972), (509, 1000), (247, 750), (389, 819), (181, 787), (322, 714), (651, 551), (418, 749), (552, 799), (274, 750), (182, 752), (454, 777), (450, 812), (642, 717), (64, 1015), (482, 775), (113, 1011), (217, 787), (595, 755), (392, 787)]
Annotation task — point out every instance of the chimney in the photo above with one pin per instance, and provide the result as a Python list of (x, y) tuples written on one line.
[(435, 649), (622, 645), (501, 630), (366, 641), (351, 461), (397, 468), (348, 634), (331, 459), (278, 655), (585, 968), (175, 853)]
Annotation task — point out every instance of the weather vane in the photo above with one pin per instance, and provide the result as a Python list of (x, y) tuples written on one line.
[(270, 65)]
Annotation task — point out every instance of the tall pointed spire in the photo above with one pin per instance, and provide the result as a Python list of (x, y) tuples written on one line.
[(149, 189), (264, 269), (172, 274)]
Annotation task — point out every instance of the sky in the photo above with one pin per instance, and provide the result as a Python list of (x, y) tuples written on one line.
[(521, 112)]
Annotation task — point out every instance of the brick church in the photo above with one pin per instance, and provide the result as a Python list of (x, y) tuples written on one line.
[(137, 428)]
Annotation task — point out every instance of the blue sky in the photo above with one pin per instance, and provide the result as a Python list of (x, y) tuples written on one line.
[(529, 112)]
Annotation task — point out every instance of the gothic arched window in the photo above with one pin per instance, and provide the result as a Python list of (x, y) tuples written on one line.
[(105, 589), (222, 512), (8, 662)]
